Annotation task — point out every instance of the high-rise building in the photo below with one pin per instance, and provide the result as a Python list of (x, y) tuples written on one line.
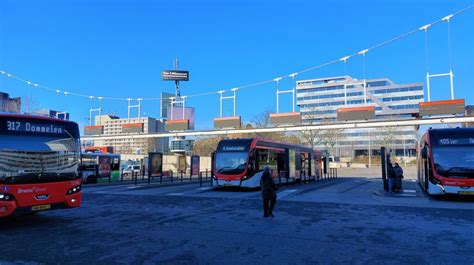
[(8, 104), (319, 99), (108, 125)]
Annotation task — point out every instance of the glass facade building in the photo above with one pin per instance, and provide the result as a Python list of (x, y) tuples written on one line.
[(319, 99)]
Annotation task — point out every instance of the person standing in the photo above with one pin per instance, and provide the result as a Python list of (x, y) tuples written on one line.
[(269, 189), (398, 177), (391, 177)]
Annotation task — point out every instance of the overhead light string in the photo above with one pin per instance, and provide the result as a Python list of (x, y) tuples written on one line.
[(377, 46)]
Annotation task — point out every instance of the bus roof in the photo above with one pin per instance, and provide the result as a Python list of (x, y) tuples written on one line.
[(33, 117)]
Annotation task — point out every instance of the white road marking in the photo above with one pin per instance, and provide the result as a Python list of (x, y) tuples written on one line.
[(175, 194), (405, 195), (285, 193), (411, 191)]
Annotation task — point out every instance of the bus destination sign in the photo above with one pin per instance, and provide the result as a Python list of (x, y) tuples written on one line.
[(456, 141), (20, 126)]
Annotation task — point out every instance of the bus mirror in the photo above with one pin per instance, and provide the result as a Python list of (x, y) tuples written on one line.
[(424, 152)]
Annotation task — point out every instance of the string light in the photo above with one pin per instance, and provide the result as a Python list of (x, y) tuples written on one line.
[(278, 79)]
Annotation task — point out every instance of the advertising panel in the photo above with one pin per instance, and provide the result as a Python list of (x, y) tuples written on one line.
[(448, 107), (182, 163), (285, 118), (227, 122), (195, 165), (357, 113), (155, 164), (104, 166), (93, 130)]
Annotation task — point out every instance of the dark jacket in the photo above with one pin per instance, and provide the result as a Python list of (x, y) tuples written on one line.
[(268, 186), (398, 172), (390, 171)]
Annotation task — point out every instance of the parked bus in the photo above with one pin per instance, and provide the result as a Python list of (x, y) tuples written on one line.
[(446, 161), (39, 164), (240, 162), (99, 168)]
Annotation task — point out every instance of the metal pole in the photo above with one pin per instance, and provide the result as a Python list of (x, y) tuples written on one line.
[(293, 92), (278, 104), (128, 111), (365, 80), (172, 104), (370, 150), (234, 103), (220, 106), (184, 105), (428, 85), (451, 77)]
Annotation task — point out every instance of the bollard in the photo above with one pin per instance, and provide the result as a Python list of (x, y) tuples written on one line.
[(190, 175), (136, 178), (206, 173), (161, 178), (200, 179), (171, 178), (181, 172), (336, 172)]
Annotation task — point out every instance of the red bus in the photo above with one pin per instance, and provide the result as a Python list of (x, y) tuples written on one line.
[(240, 162), (39, 164), (446, 161)]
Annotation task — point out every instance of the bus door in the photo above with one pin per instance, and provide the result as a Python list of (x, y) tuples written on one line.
[(115, 169)]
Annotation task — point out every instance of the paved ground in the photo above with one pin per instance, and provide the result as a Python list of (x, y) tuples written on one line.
[(331, 221)]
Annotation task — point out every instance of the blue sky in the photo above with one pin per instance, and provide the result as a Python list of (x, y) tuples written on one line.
[(119, 48)]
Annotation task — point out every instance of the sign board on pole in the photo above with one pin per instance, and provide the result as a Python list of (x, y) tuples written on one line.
[(175, 75), (195, 165)]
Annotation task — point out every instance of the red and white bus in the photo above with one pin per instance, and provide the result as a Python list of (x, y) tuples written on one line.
[(446, 161), (39, 164), (240, 162)]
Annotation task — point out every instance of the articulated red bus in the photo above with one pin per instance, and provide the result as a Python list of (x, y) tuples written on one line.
[(39, 164), (446, 161), (240, 162)]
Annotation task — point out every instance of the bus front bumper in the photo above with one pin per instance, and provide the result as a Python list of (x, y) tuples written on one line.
[(9, 208), (439, 189)]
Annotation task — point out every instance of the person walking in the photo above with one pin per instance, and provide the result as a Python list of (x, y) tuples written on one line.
[(398, 177), (269, 189), (391, 177)]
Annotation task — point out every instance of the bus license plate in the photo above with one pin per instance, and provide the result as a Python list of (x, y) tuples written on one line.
[(41, 207), (466, 192)]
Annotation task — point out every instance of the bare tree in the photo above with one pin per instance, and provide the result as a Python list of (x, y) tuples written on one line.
[(29, 104), (311, 137)]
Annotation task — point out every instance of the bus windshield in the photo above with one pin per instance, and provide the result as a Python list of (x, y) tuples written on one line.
[(36, 159), (231, 162), (454, 161)]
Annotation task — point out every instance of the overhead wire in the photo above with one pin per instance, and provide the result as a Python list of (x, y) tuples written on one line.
[(377, 46)]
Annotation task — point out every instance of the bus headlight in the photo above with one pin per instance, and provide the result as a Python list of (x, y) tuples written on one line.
[(6, 197), (74, 190)]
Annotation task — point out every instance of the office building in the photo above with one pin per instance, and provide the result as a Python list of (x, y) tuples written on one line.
[(108, 125), (8, 104), (319, 99)]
